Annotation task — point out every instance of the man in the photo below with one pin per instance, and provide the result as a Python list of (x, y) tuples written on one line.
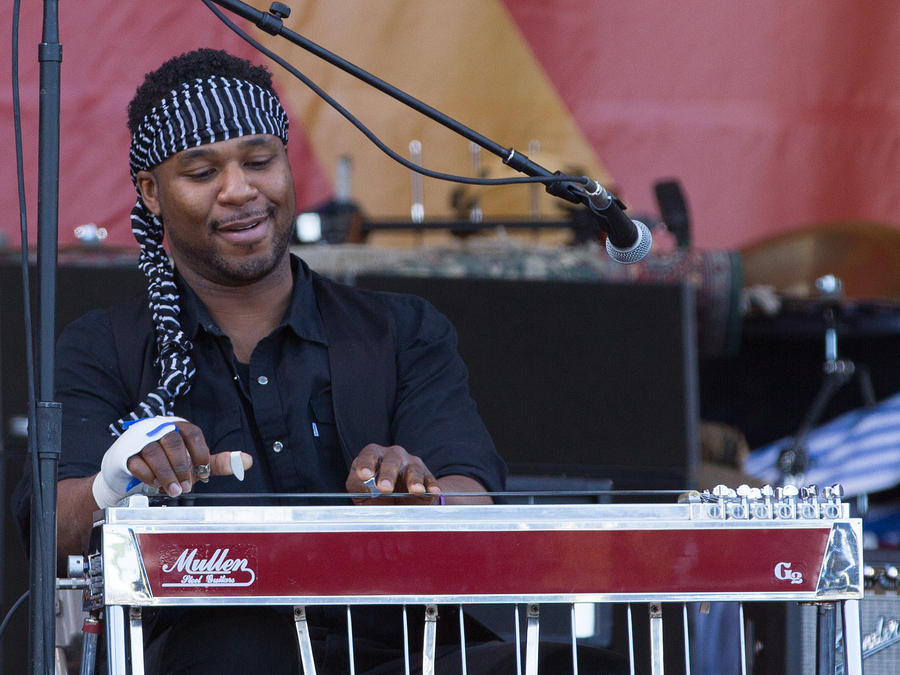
[(209, 163), (244, 360), (319, 386)]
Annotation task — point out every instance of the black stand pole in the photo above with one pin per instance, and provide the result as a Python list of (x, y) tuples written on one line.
[(46, 436)]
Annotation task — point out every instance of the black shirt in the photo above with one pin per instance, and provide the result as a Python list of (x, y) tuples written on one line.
[(280, 407), (281, 411), (277, 408)]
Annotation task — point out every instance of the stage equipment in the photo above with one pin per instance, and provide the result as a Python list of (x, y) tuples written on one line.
[(793, 461), (783, 354), (880, 613), (744, 545), (879, 622)]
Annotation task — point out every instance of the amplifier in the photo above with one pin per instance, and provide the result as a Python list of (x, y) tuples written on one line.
[(879, 618)]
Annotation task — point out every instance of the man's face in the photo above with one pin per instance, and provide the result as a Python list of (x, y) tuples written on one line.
[(227, 208)]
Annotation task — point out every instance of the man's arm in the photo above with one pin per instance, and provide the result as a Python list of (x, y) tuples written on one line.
[(453, 484), (434, 416), (76, 507)]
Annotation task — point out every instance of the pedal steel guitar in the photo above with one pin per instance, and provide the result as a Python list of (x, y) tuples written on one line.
[(745, 545)]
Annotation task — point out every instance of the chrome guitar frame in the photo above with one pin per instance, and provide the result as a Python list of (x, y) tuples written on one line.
[(788, 545)]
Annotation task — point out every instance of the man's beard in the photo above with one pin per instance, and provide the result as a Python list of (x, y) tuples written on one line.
[(239, 271), (247, 270)]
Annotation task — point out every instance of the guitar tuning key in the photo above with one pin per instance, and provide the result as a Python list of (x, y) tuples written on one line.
[(832, 506), (809, 503), (786, 502)]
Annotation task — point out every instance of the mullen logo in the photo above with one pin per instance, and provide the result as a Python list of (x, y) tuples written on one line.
[(784, 573), (204, 567)]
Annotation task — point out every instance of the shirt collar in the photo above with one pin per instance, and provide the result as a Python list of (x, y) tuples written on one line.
[(302, 316)]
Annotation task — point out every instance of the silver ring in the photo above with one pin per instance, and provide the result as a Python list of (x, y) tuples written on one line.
[(370, 483), (202, 472)]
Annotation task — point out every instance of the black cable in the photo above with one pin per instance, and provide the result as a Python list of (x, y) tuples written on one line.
[(12, 610), (36, 492), (26, 282), (350, 117)]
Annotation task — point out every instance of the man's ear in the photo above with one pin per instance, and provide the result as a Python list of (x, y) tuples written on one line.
[(149, 189)]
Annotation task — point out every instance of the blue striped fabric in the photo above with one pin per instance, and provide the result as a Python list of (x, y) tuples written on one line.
[(860, 450)]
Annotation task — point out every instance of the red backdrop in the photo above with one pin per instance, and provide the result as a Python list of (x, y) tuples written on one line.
[(773, 115)]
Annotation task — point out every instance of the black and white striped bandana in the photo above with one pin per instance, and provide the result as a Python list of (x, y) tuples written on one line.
[(206, 110)]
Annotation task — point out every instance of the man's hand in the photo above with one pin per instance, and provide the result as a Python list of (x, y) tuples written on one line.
[(394, 471), (171, 462)]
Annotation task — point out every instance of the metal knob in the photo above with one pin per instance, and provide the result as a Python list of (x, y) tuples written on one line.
[(279, 9), (75, 567)]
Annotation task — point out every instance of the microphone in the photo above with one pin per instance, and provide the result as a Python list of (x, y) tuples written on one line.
[(627, 241)]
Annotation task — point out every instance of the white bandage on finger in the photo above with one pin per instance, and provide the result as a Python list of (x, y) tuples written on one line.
[(115, 482)]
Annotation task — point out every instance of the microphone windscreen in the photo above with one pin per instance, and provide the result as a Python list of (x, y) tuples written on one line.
[(637, 251)]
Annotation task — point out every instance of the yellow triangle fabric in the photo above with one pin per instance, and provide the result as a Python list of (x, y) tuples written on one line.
[(466, 58)]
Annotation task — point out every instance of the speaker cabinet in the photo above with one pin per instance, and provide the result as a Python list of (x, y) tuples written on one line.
[(577, 378)]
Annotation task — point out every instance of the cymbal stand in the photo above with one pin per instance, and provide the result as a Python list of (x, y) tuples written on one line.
[(794, 460)]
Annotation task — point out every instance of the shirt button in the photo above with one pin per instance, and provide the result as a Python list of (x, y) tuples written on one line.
[(277, 446), (262, 379)]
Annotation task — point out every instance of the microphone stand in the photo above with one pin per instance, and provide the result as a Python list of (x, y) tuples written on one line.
[(45, 413), (601, 203), (793, 461)]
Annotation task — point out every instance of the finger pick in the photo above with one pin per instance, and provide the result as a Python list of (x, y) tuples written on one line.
[(237, 465)]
